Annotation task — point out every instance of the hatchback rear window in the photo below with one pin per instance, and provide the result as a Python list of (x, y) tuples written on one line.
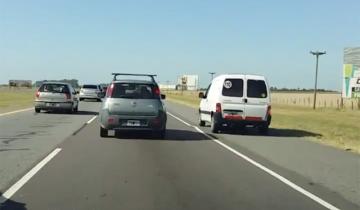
[(134, 90), (256, 89), (233, 88), (54, 88), (90, 86)]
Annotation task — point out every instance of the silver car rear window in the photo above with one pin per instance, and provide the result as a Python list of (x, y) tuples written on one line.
[(90, 86), (54, 88), (134, 91)]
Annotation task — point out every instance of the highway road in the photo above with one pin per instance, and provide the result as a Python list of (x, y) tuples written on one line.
[(73, 168)]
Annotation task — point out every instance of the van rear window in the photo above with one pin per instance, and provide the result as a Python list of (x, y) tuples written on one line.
[(256, 89), (233, 88)]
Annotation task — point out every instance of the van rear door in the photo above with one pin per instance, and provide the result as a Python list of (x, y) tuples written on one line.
[(233, 105), (257, 96)]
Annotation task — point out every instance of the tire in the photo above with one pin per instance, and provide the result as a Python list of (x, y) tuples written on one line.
[(215, 126), (37, 110), (76, 109), (70, 111), (80, 99), (103, 132), (264, 129), (201, 122), (160, 134)]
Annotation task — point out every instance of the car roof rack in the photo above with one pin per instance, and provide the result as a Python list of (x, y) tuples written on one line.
[(127, 74)]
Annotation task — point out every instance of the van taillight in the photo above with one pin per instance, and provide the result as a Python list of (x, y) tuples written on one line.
[(37, 94), (156, 91), (218, 107), (268, 112), (109, 91)]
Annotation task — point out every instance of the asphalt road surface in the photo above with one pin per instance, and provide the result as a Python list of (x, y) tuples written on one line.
[(186, 170)]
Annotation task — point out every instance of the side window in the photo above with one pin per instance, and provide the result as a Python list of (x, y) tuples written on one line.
[(207, 91), (256, 89)]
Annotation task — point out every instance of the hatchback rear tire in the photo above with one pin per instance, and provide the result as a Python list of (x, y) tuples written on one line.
[(37, 110), (103, 132)]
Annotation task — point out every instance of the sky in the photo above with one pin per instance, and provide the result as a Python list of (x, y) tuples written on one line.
[(88, 40)]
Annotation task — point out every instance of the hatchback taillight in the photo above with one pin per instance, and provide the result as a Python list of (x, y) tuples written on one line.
[(156, 91), (218, 107), (67, 96), (37, 94), (109, 91)]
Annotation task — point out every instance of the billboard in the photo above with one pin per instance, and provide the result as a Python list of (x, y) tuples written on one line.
[(189, 82), (351, 73)]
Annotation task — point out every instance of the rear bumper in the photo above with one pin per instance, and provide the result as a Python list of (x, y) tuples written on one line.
[(90, 96), (118, 122), (238, 121), (53, 105)]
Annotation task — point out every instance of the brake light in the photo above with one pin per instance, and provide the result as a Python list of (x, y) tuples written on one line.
[(156, 91), (67, 95), (218, 107), (268, 112), (37, 94), (109, 91)]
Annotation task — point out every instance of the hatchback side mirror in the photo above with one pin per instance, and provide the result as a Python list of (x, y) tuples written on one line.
[(201, 95), (163, 96)]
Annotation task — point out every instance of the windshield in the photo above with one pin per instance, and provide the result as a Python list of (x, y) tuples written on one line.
[(54, 88), (134, 91)]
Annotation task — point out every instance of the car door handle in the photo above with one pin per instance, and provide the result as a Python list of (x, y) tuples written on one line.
[(245, 100)]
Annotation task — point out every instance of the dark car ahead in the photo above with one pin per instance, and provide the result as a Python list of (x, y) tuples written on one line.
[(133, 105)]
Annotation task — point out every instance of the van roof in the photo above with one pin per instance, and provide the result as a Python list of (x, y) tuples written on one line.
[(250, 76)]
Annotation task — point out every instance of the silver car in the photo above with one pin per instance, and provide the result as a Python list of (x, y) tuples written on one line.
[(56, 96), (133, 105), (91, 92)]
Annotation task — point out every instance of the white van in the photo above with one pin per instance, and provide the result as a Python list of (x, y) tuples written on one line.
[(233, 100)]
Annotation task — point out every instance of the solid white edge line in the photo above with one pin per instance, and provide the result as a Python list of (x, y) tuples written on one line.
[(16, 111), (14, 188), (92, 119), (178, 119), (267, 170)]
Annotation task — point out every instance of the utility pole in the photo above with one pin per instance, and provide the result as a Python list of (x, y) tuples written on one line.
[(212, 75), (317, 54)]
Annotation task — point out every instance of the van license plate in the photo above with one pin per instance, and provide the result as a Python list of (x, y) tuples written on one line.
[(133, 123)]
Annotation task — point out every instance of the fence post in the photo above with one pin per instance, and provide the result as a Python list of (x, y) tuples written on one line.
[(341, 103)]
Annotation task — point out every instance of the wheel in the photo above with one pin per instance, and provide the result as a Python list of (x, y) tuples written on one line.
[(103, 132), (264, 129), (215, 126), (201, 122), (80, 99), (160, 134), (70, 111), (37, 110), (76, 109), (99, 100)]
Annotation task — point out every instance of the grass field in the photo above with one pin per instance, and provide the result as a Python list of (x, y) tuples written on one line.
[(339, 128), (15, 98)]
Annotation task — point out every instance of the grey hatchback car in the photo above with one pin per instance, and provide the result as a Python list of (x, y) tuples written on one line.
[(56, 96), (133, 105)]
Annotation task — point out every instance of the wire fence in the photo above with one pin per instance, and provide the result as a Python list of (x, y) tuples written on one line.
[(324, 100)]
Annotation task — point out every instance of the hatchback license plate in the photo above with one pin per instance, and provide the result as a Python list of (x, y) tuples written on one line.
[(132, 123), (52, 104)]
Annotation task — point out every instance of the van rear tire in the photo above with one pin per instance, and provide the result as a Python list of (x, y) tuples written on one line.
[(201, 122), (37, 110), (215, 126)]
